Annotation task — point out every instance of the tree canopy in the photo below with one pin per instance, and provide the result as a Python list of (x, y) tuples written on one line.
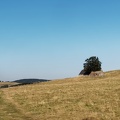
[(91, 64)]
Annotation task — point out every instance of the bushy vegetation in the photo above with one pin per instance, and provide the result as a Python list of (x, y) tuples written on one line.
[(91, 64)]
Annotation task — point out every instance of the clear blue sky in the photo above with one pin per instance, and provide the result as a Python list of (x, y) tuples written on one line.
[(52, 38)]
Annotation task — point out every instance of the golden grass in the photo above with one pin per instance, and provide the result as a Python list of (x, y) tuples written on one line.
[(79, 98), (8, 83)]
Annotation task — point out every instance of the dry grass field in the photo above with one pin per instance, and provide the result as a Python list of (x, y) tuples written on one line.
[(79, 98), (7, 83)]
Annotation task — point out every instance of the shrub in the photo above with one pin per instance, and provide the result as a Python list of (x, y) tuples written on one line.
[(91, 64)]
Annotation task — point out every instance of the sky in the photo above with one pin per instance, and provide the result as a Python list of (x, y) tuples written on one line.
[(50, 39)]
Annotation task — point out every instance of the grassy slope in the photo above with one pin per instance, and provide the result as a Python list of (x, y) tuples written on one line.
[(7, 83), (68, 99)]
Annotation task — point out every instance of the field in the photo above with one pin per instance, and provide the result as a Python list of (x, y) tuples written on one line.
[(7, 83), (78, 98)]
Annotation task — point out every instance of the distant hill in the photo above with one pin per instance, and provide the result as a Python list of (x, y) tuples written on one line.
[(30, 81), (21, 82)]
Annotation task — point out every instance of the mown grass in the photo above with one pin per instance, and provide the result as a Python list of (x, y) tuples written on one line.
[(69, 99)]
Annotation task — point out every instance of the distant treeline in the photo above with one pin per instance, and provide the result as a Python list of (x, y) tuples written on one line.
[(23, 82)]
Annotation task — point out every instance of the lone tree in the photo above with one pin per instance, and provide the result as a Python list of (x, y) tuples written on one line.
[(91, 64)]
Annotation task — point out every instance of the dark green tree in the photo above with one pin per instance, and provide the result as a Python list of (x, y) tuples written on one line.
[(92, 64)]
